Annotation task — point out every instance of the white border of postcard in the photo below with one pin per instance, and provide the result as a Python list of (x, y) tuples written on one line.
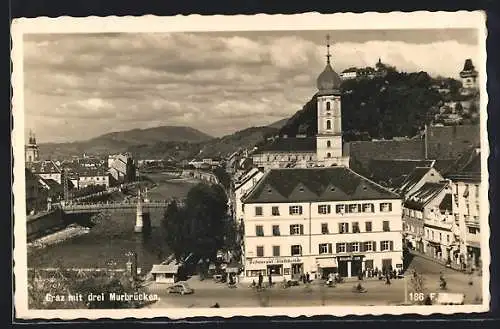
[(261, 22)]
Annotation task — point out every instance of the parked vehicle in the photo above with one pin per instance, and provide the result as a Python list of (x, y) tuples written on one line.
[(180, 288)]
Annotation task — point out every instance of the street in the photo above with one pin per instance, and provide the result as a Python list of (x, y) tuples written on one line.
[(207, 292)]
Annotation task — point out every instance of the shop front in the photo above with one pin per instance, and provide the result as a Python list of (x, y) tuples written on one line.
[(349, 266), (326, 266), (279, 268)]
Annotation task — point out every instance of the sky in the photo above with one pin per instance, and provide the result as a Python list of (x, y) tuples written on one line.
[(79, 86)]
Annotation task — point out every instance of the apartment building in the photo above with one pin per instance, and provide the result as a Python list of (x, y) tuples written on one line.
[(467, 194), (320, 221)]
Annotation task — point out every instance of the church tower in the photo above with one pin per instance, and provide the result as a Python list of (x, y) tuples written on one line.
[(31, 149), (329, 138)]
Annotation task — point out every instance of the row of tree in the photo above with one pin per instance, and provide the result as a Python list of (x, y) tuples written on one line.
[(201, 226)]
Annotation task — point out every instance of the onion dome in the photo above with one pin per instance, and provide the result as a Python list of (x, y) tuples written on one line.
[(328, 81)]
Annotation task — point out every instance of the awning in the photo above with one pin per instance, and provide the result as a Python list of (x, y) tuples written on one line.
[(326, 262)]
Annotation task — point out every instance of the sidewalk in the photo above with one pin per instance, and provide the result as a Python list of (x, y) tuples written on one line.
[(452, 266)]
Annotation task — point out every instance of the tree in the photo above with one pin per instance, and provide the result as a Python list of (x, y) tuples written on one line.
[(223, 177), (175, 225), (200, 227)]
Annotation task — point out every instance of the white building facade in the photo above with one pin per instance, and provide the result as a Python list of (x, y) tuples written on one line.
[(320, 228)]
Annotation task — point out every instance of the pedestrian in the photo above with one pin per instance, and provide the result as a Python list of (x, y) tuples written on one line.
[(303, 278), (308, 277), (387, 280), (261, 278), (394, 273)]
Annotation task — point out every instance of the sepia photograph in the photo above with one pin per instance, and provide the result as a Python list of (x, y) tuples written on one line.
[(254, 165)]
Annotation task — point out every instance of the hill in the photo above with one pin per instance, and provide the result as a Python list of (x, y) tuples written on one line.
[(246, 138), (278, 124), (383, 107), (124, 140)]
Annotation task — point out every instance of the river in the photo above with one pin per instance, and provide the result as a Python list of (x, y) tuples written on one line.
[(112, 237)]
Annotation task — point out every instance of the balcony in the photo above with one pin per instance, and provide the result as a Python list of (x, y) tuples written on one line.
[(474, 222)]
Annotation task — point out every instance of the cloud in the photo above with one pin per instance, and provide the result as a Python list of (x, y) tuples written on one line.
[(80, 86)]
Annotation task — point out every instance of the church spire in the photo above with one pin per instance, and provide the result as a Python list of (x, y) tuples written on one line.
[(328, 49)]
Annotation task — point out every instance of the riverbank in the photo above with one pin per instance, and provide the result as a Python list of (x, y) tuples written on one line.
[(69, 232)]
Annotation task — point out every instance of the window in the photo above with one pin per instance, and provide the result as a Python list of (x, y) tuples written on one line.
[(324, 209), (354, 208), (328, 144), (386, 245), (325, 248), (440, 237), (355, 227), (355, 246), (260, 251), (447, 238), (368, 246), (328, 124), (386, 207), (432, 235), (276, 230), (295, 210), (368, 226), (385, 226), (341, 247), (477, 191), (339, 209), (473, 230), (276, 251), (259, 230), (328, 155), (258, 211), (275, 211), (297, 229), (328, 106), (296, 250), (324, 228), (343, 228), (368, 207)]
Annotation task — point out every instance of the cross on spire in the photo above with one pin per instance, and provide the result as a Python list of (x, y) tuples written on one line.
[(328, 49)]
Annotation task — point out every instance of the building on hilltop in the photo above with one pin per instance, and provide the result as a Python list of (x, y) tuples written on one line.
[(31, 151), (469, 77), (326, 148), (350, 73), (320, 221)]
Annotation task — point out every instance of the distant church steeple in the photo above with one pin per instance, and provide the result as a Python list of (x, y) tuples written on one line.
[(31, 152)]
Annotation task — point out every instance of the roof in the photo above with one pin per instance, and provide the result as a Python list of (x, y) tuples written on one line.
[(415, 176), (51, 184), (394, 172), (467, 168), (446, 204), (44, 167), (351, 69), (471, 177), (316, 184), (160, 268), (290, 144), (328, 81), (468, 66), (443, 165), (248, 176), (424, 195)]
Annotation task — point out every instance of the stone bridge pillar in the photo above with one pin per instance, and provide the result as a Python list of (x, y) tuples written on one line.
[(139, 219)]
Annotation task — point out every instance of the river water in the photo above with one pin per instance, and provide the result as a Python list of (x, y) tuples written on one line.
[(113, 236)]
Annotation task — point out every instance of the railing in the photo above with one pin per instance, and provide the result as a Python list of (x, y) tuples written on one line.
[(115, 205)]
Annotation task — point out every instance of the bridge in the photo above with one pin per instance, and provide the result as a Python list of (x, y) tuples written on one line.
[(109, 206)]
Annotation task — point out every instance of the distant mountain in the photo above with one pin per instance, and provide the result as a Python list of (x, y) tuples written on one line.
[(246, 138), (123, 140), (278, 124)]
